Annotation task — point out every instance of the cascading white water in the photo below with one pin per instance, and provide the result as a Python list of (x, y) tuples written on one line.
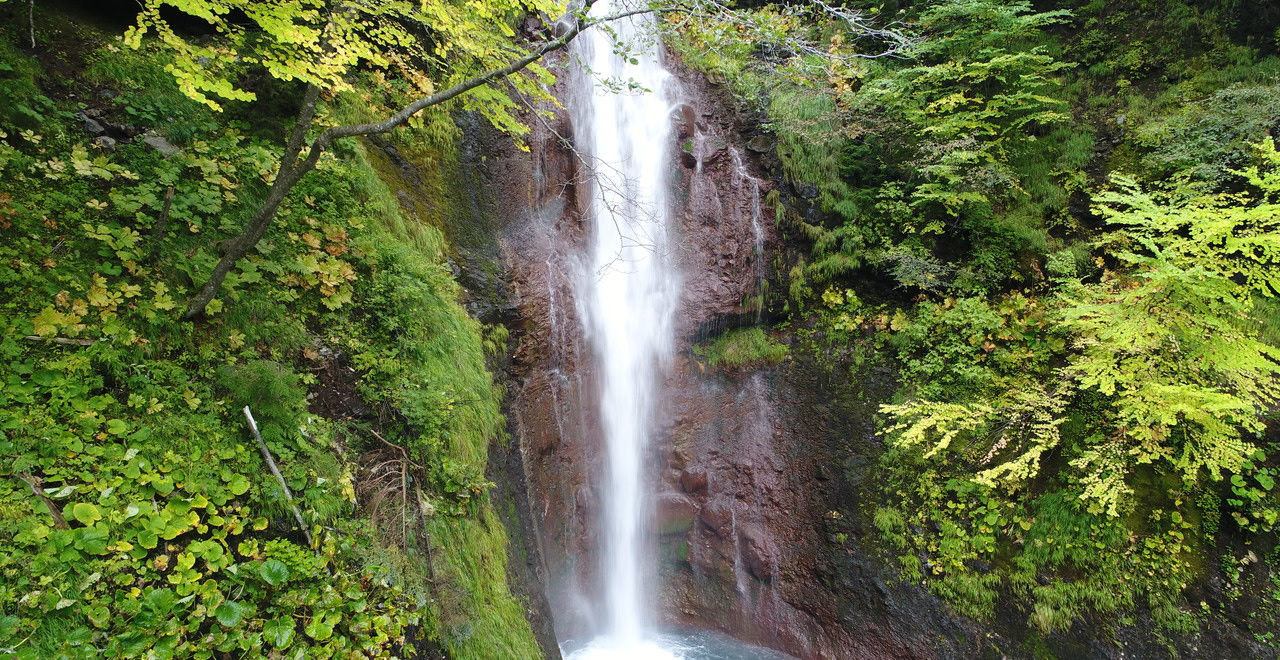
[(629, 301), (627, 297)]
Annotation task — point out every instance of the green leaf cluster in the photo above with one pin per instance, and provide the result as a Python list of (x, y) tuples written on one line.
[(139, 517), (429, 45), (1087, 360)]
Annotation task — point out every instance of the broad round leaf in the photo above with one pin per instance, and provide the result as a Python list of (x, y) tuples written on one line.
[(87, 514), (229, 613), (279, 632), (274, 572)]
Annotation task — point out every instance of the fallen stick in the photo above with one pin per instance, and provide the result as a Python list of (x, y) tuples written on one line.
[(271, 463), (404, 487), (157, 231), (34, 484), (63, 340)]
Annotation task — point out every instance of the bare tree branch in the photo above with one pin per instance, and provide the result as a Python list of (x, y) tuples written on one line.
[(894, 36), (294, 166), (34, 483)]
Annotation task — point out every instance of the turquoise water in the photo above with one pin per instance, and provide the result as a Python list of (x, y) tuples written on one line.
[(684, 644)]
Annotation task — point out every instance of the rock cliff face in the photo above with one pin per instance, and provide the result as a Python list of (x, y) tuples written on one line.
[(757, 473), (741, 463), (722, 241)]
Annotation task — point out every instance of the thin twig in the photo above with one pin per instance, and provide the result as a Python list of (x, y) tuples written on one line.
[(65, 341), (271, 463), (404, 486)]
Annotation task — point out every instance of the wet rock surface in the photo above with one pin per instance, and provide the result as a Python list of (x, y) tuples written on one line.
[(761, 563), (720, 243), (540, 203), (759, 523), (739, 525)]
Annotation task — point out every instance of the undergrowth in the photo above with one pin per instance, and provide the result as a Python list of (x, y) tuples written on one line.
[(138, 514), (1048, 204)]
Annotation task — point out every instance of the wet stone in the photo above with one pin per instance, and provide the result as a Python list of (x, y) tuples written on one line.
[(675, 513), (760, 144), (717, 516), (159, 143), (693, 481), (91, 126)]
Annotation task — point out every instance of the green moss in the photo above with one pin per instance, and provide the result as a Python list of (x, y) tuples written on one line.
[(474, 611), (738, 348)]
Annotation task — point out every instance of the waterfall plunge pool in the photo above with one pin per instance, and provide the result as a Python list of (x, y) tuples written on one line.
[(672, 644)]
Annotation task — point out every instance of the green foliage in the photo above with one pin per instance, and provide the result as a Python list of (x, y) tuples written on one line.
[(978, 79), (954, 153), (147, 94), (1164, 367), (1086, 375), (318, 44), (271, 389), (1206, 140), (426, 361), (177, 541), (129, 439), (21, 102), (1169, 343), (810, 144), (960, 348), (739, 348)]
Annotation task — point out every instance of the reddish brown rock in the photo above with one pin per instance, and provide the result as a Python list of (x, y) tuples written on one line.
[(693, 480), (674, 513), (740, 526), (759, 552), (717, 516), (685, 120)]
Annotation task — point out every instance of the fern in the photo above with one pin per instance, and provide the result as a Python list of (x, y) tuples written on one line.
[(1170, 340)]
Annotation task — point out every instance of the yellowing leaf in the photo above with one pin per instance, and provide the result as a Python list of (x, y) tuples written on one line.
[(85, 513), (47, 322)]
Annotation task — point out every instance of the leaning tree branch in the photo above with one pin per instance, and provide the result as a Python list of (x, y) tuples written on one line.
[(294, 166), (292, 169), (34, 483), (402, 117)]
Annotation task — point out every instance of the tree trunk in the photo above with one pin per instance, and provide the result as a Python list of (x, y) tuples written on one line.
[(290, 173)]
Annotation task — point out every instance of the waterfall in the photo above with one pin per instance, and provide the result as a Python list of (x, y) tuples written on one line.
[(628, 298)]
